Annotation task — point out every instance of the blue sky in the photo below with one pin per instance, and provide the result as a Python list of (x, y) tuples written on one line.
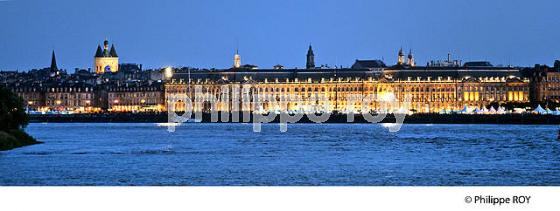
[(205, 33)]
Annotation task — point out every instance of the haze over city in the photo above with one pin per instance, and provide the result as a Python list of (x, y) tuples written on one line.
[(206, 33)]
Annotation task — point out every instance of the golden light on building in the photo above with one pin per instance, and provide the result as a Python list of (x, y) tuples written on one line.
[(106, 60), (426, 90), (387, 96), (168, 72), (236, 60), (136, 98)]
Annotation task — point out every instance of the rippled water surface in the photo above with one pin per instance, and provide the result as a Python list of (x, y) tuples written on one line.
[(308, 154)]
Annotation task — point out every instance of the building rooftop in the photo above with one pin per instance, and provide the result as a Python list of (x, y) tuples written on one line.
[(402, 73), (478, 64), (366, 64)]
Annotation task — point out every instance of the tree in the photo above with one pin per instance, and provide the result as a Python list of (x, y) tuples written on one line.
[(12, 111)]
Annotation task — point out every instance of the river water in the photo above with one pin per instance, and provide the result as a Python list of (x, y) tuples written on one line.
[(307, 154)]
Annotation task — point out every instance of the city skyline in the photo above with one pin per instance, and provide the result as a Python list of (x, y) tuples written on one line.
[(223, 101), (276, 33), (449, 61)]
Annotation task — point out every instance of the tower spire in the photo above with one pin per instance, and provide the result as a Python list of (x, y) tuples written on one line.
[(400, 60), (236, 59), (410, 61), (310, 64), (113, 52), (54, 67)]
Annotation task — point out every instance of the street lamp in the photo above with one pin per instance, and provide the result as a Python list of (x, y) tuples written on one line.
[(142, 102), (29, 103), (115, 105)]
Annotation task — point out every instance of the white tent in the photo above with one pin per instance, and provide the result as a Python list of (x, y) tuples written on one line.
[(465, 110), (501, 110), (477, 111), (492, 110), (556, 112), (403, 111), (484, 110), (539, 110), (548, 111)]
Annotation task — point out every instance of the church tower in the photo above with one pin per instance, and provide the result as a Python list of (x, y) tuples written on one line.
[(54, 68), (400, 60), (106, 60), (410, 62), (310, 64), (236, 59)]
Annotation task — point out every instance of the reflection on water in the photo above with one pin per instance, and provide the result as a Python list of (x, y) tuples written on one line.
[(308, 154)]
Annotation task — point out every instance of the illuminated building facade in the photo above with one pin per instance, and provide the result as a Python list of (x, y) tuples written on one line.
[(136, 98), (429, 89), (34, 96), (553, 87), (78, 98), (440, 85), (545, 83), (424, 89)]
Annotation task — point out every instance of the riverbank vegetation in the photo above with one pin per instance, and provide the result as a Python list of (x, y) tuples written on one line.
[(13, 120)]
